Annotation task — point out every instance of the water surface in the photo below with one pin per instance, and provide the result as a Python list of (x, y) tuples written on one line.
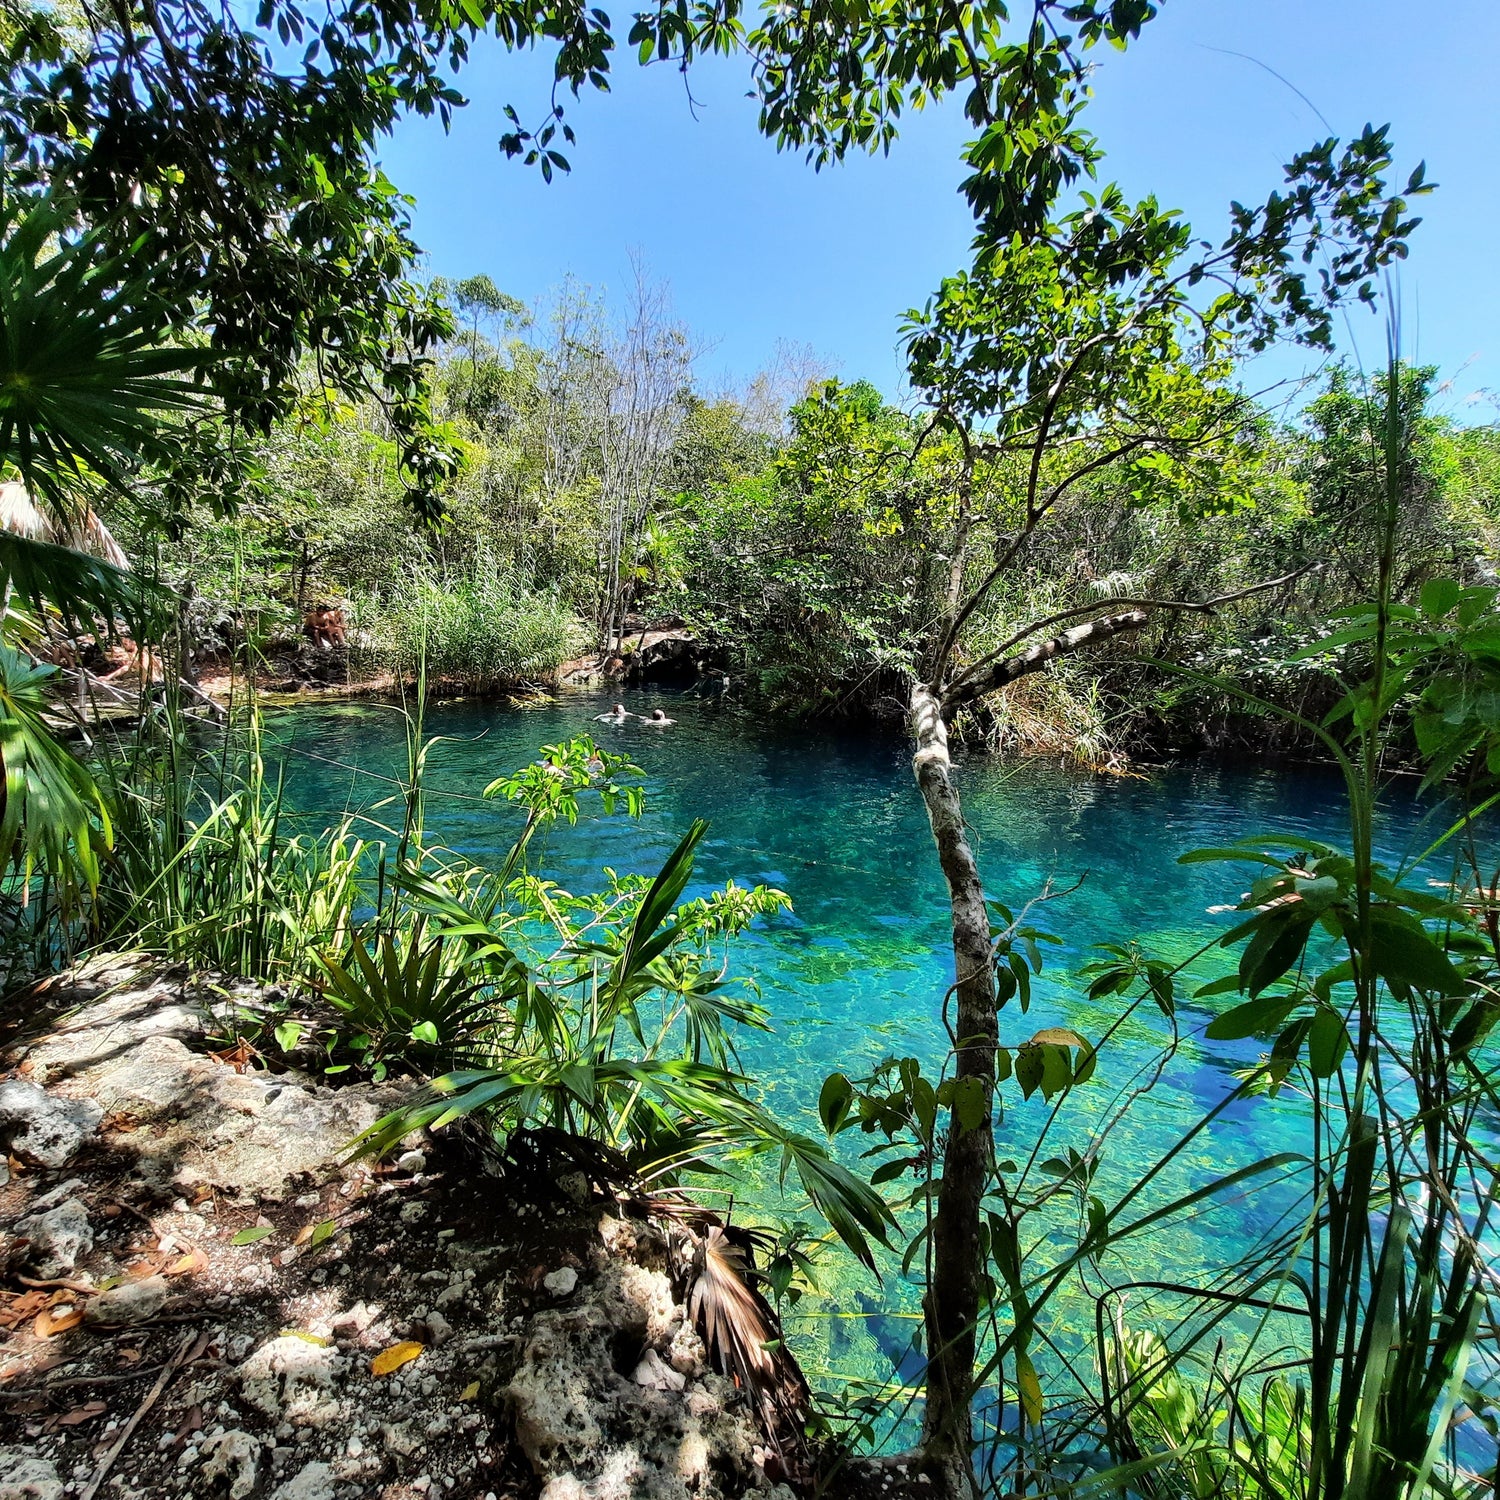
[(857, 970)]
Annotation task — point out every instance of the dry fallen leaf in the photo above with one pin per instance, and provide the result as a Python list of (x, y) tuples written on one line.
[(470, 1391), (188, 1265), (83, 1413), (52, 1321), (390, 1360)]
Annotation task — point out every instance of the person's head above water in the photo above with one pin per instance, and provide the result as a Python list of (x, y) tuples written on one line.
[(619, 708)]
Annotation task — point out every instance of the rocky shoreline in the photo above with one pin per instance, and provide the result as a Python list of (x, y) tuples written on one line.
[(202, 1297)]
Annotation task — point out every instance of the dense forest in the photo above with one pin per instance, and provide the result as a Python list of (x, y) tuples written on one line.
[(804, 532), (247, 442)]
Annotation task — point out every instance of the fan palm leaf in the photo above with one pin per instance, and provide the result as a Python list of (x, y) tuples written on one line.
[(52, 816), (86, 382)]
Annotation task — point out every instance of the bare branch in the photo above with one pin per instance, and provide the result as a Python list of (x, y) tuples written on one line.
[(1196, 606), (1043, 654)]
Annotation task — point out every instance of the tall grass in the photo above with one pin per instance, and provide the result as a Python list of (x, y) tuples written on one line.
[(212, 868), (482, 629)]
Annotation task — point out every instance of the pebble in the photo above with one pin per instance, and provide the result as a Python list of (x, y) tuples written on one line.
[(561, 1283)]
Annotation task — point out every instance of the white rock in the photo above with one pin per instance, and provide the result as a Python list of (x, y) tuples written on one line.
[(24, 1477), (656, 1375), (234, 1457), (130, 1303), (42, 1129), (353, 1320), (286, 1373), (411, 1161), (58, 1237), (561, 1283), (312, 1481)]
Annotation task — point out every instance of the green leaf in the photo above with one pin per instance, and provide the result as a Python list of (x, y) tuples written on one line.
[(1253, 1018), (1402, 950), (1439, 595), (253, 1235), (834, 1099), (968, 1103), (1327, 1041)]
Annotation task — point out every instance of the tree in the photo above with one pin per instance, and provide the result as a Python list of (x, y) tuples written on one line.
[(1091, 345), (228, 162)]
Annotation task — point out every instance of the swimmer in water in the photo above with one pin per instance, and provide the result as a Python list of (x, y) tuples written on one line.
[(659, 718), (617, 715)]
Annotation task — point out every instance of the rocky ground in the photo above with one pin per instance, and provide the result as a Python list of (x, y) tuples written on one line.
[(200, 1300)]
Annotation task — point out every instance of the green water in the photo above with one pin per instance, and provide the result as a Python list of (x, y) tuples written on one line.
[(856, 972)]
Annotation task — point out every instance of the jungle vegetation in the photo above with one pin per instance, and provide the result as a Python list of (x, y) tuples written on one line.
[(1086, 533)]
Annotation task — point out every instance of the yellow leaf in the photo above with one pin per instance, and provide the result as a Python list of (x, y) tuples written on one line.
[(389, 1360), (1030, 1388), (187, 1265), (305, 1336), (470, 1391), (50, 1322)]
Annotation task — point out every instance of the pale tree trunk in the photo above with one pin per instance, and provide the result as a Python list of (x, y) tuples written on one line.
[(952, 1302), (951, 1307)]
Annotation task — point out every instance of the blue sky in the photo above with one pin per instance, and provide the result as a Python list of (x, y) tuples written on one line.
[(757, 247)]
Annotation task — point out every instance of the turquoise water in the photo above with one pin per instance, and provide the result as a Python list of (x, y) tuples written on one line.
[(857, 970)]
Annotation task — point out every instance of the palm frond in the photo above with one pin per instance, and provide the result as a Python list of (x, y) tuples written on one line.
[(53, 816), (78, 586), (85, 380), (743, 1335)]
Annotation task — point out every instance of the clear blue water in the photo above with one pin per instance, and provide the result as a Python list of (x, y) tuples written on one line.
[(856, 972)]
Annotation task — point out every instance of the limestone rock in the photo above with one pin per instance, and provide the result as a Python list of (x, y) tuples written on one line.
[(561, 1283), (656, 1375), (41, 1129), (130, 1303), (58, 1236), (234, 1456), (312, 1481), (595, 1427), (133, 1052), (289, 1378), (23, 1477)]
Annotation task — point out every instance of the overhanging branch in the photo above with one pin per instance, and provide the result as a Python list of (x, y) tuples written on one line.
[(1041, 655), (996, 670)]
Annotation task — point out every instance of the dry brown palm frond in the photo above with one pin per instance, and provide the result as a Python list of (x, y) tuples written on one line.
[(743, 1336), (20, 514)]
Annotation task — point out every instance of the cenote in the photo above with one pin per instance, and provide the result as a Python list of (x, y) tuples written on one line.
[(857, 970)]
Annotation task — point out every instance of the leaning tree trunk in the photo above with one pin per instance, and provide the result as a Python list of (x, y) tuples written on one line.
[(953, 1289)]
